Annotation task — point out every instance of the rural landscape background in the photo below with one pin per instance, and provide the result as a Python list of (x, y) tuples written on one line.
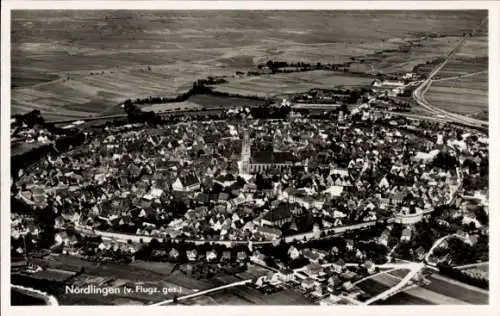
[(75, 64)]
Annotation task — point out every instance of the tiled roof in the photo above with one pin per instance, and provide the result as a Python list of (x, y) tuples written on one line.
[(189, 179)]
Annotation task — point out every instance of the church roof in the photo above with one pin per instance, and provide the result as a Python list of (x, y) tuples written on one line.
[(273, 157)]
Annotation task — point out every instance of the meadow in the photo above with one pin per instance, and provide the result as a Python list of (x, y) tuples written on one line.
[(74, 64)]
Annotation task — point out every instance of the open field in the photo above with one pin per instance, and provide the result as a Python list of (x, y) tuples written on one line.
[(405, 58), (72, 64), (250, 296), (458, 290), (277, 84), (163, 275), (456, 68), (441, 291), (209, 101), (463, 66), (185, 105), (30, 77), (467, 95)]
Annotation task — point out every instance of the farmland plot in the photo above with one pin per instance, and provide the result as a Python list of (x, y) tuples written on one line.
[(467, 95)]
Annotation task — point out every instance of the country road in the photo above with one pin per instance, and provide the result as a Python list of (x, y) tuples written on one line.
[(419, 92)]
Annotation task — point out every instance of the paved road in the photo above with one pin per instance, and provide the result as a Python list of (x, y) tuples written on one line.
[(215, 289), (415, 268)]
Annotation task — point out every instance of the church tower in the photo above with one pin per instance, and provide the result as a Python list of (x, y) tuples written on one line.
[(245, 152)]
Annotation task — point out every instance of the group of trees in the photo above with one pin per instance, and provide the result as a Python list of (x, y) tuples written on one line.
[(136, 115), (445, 160), (30, 119), (45, 221), (283, 66), (35, 118), (263, 112), (460, 253)]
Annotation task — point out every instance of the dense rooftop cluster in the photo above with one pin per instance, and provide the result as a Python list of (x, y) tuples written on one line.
[(184, 179)]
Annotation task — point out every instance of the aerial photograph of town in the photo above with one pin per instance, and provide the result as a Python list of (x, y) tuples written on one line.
[(249, 157)]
